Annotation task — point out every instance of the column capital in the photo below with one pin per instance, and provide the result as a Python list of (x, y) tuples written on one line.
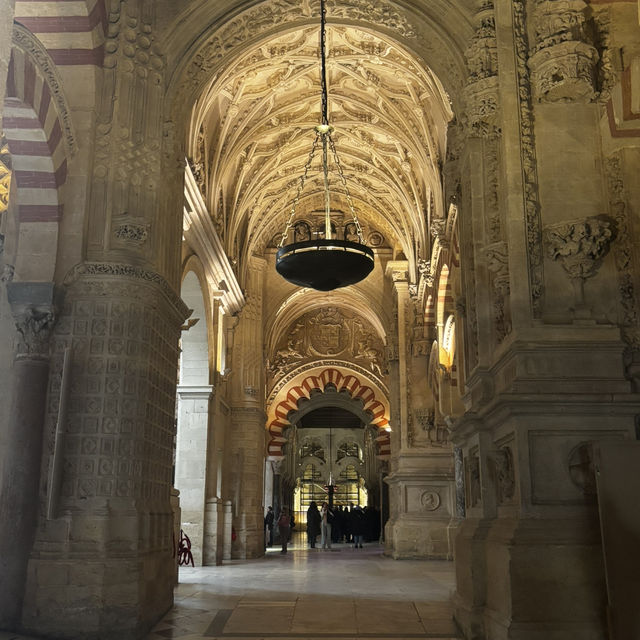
[(398, 271), (32, 307)]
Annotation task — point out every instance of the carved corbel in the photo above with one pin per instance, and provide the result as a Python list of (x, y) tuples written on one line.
[(439, 232), (580, 247), (563, 63), (424, 268)]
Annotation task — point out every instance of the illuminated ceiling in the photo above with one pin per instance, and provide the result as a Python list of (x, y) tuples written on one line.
[(253, 127)]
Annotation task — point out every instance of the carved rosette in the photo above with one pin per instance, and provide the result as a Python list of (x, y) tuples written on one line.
[(563, 63), (481, 92)]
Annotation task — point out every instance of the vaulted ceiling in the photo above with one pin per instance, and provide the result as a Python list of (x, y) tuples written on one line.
[(252, 131)]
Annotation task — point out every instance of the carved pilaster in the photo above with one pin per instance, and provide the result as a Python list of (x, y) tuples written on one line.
[(563, 63), (531, 196), (498, 264), (127, 173), (481, 92)]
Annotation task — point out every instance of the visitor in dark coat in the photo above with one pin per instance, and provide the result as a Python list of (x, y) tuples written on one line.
[(357, 526), (313, 524)]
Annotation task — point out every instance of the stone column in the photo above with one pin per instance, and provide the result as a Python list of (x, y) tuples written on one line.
[(192, 446), (422, 492), (32, 306), (247, 437), (102, 563), (555, 383)]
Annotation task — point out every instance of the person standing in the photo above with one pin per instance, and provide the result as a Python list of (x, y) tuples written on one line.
[(325, 526), (284, 528), (268, 525), (357, 526), (313, 524)]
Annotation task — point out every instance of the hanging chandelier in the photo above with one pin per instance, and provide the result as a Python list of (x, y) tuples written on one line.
[(325, 262)]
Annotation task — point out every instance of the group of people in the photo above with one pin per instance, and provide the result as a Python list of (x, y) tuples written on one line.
[(352, 525)]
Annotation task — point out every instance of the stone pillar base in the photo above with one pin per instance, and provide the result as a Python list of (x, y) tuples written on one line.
[(85, 598), (536, 579), (423, 493), (410, 537), (213, 532)]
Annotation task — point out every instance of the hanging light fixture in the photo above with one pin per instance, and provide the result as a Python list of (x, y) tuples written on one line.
[(323, 263)]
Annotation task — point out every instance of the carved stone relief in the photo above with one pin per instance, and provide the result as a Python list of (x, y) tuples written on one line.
[(505, 474), (427, 432), (580, 247), (328, 333), (582, 469), (430, 500), (472, 485)]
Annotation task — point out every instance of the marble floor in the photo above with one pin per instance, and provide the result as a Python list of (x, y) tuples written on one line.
[(311, 594)]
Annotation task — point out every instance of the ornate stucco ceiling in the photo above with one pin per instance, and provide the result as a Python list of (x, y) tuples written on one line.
[(252, 130)]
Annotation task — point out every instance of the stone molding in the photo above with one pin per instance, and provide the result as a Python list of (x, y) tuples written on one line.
[(188, 392)]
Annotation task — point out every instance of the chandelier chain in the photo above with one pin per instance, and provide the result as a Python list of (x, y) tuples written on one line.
[(346, 189), (323, 62), (303, 179)]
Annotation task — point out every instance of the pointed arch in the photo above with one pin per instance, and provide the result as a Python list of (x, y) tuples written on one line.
[(374, 402)]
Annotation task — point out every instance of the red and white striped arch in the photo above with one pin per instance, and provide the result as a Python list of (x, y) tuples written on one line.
[(72, 31), (36, 124), (373, 399)]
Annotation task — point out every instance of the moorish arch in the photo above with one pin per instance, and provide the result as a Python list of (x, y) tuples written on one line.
[(302, 383), (41, 140)]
